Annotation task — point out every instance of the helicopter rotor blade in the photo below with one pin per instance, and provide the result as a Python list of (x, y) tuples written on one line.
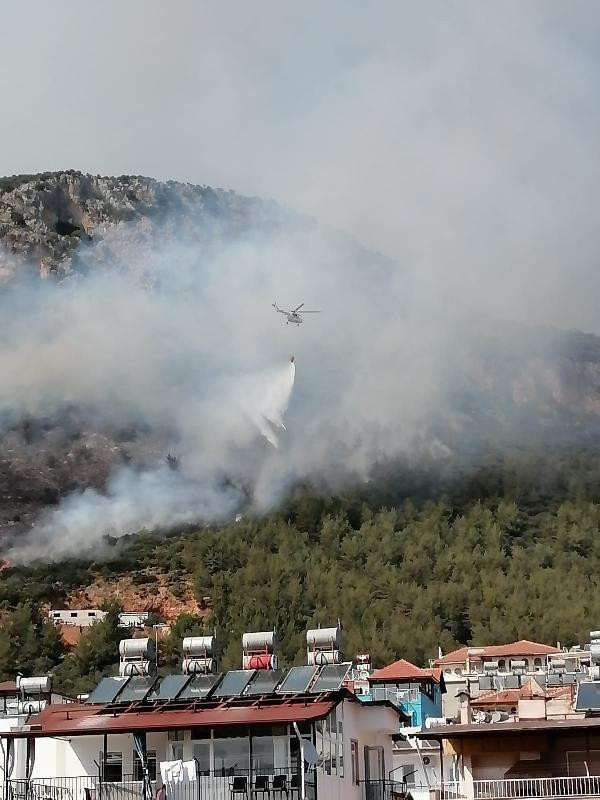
[(309, 312), (295, 311)]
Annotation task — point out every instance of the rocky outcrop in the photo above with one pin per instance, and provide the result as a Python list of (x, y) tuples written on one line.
[(47, 220)]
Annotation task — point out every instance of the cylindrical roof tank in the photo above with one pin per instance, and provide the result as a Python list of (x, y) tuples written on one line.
[(321, 658), (262, 640), (132, 648), (193, 666), (321, 638), (199, 645), (41, 685), (141, 667), (260, 661)]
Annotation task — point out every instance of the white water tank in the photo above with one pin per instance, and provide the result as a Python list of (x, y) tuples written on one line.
[(38, 685), (262, 642), (321, 638), (320, 658), (136, 648), (199, 646), (199, 666)]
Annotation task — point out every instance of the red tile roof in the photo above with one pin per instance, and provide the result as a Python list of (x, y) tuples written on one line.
[(521, 648), (529, 691), (403, 670), (76, 719), (7, 688)]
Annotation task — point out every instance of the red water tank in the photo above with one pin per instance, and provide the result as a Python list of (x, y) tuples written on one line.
[(264, 661)]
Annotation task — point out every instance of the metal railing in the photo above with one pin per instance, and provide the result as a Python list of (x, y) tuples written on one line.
[(385, 790), (395, 696), (524, 788), (224, 784)]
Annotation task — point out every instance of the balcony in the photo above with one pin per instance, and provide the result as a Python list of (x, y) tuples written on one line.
[(524, 788), (227, 785)]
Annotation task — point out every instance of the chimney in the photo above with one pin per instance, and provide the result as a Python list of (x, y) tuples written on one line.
[(464, 699)]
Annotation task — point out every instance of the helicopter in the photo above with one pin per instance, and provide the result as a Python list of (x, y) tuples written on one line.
[(294, 315)]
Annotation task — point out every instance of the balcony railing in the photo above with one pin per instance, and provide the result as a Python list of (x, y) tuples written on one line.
[(525, 788), (395, 696), (385, 790), (233, 784)]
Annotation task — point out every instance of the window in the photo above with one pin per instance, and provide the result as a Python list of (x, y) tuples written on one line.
[(113, 767), (231, 752), (201, 753), (354, 761), (537, 663), (501, 664), (138, 773), (56, 614), (176, 741), (73, 614), (340, 744), (91, 613), (327, 744), (408, 774), (263, 754), (374, 764), (177, 751)]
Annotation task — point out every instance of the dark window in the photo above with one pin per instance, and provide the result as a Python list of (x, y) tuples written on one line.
[(73, 614), (354, 761), (113, 767), (138, 773)]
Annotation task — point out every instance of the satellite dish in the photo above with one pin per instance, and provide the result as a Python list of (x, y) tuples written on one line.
[(309, 752)]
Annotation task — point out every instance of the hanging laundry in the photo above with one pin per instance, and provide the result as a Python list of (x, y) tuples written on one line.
[(172, 772)]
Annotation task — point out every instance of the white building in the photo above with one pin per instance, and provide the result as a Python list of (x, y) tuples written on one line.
[(83, 618), (237, 744), (508, 667)]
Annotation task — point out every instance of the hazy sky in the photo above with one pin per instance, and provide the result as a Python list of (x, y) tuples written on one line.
[(459, 137)]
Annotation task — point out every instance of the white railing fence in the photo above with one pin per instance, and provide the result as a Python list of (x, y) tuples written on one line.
[(524, 788)]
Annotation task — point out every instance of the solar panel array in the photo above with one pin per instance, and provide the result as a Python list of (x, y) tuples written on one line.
[(137, 688), (200, 687), (264, 682), (235, 683), (107, 690), (171, 686), (330, 678), (297, 680), (588, 696)]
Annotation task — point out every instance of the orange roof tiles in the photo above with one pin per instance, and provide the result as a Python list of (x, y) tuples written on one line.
[(527, 692), (521, 648), (403, 670)]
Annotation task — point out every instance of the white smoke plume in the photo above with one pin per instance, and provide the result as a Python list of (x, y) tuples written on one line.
[(459, 139)]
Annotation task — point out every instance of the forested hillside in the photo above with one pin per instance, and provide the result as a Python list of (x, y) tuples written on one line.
[(514, 552)]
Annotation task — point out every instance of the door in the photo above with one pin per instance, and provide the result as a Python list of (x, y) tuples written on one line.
[(374, 773)]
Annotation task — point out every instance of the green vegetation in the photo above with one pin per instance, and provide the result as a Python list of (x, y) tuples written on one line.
[(511, 550)]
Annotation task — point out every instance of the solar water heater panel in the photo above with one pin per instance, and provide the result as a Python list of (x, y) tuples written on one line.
[(107, 690)]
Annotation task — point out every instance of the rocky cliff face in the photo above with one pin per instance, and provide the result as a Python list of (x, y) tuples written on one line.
[(55, 226), (48, 221)]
